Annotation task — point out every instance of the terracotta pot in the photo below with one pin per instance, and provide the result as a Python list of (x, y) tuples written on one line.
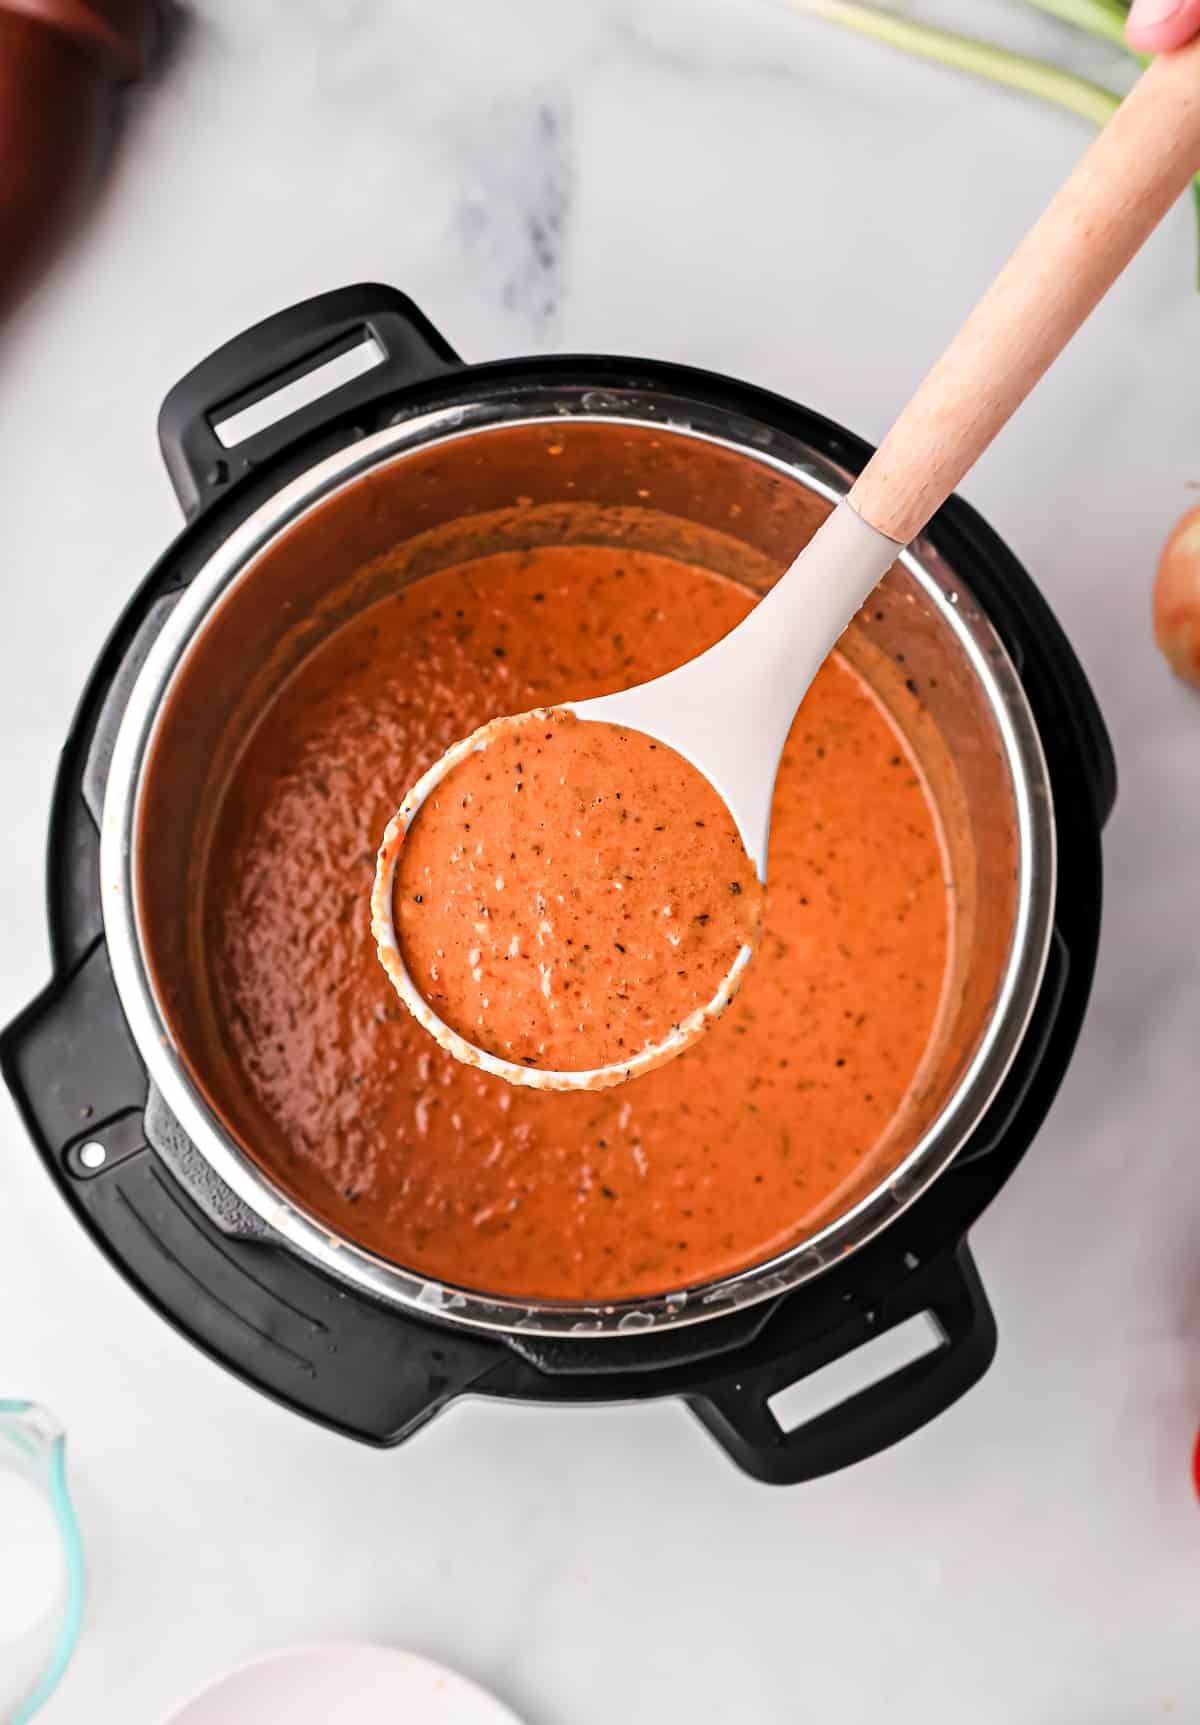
[(61, 62)]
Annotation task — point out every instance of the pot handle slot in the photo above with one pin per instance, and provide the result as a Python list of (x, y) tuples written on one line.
[(372, 339), (738, 1410)]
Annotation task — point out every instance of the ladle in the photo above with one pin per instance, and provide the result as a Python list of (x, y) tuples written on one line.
[(729, 711)]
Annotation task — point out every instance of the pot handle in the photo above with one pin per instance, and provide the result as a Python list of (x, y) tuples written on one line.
[(737, 1409), (280, 351)]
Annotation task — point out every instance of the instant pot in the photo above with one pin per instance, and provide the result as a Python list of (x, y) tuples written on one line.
[(420, 451)]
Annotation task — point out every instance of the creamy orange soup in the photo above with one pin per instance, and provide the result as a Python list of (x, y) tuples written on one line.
[(712, 1162), (571, 893)]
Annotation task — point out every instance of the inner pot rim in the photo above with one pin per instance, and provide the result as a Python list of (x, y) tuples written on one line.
[(233, 561)]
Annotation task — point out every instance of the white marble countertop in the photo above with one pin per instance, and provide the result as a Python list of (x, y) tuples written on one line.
[(744, 189)]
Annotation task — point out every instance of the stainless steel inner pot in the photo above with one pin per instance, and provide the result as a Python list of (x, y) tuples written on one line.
[(546, 464)]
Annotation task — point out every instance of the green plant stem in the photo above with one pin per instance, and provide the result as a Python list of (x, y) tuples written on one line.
[(968, 54), (1103, 18)]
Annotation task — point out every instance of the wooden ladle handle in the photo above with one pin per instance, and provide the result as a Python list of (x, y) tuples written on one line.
[(1129, 178)]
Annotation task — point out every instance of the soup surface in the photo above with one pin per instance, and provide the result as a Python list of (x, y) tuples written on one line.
[(710, 1163), (571, 893)]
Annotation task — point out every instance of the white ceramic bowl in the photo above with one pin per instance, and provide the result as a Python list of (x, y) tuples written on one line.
[(351, 1684)]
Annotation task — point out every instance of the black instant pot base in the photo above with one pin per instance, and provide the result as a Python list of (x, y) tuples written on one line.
[(320, 1347)]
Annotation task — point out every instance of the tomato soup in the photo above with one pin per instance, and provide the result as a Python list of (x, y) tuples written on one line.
[(570, 895), (712, 1162)]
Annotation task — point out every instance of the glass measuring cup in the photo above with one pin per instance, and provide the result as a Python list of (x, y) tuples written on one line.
[(41, 1560)]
